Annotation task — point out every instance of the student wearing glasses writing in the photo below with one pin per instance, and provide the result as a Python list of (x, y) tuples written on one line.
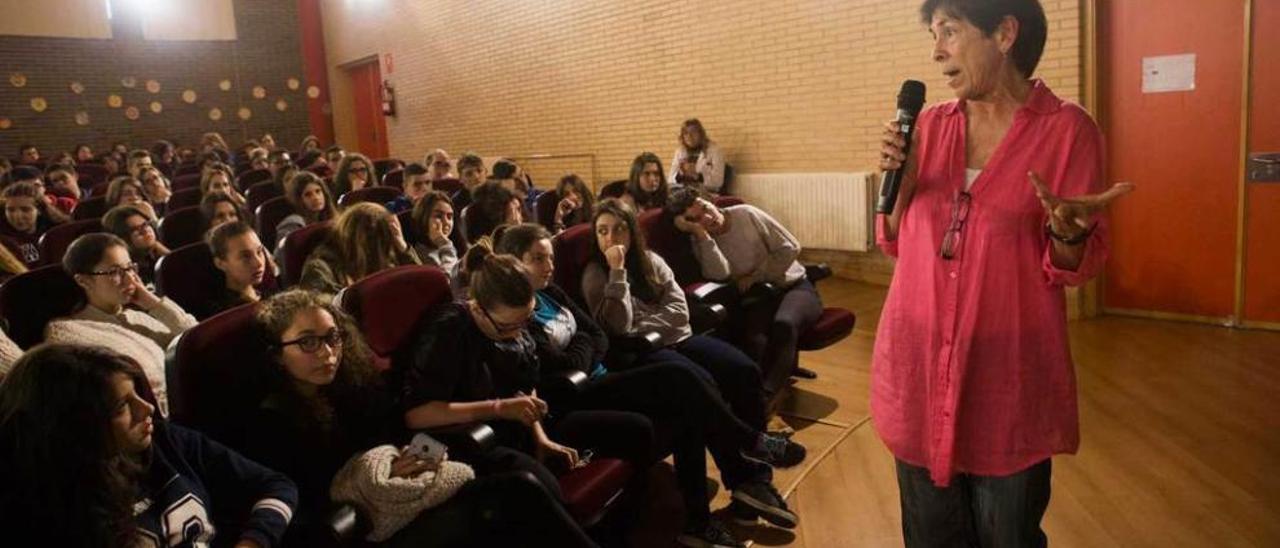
[(116, 310), (475, 360), (972, 384)]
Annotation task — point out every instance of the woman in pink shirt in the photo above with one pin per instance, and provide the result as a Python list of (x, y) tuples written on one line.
[(972, 383)]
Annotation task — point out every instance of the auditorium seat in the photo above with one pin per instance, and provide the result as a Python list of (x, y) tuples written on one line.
[(544, 209), (55, 241), (394, 178), (251, 177), (727, 201), (267, 216), (92, 208), (376, 194), (187, 169), (181, 226), (387, 165), (89, 174), (322, 170), (447, 186), (259, 193), (183, 182), (298, 246), (29, 301), (614, 189)]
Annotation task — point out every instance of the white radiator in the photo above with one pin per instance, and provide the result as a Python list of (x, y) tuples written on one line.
[(822, 210)]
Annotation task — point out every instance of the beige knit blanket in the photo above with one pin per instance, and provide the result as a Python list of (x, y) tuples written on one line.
[(391, 503)]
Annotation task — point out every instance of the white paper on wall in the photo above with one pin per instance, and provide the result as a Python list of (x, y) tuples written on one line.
[(189, 20), (55, 18), (1165, 73)]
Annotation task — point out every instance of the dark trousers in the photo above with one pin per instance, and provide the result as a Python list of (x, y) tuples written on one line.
[(769, 330), (692, 414), (509, 509), (725, 367), (974, 511)]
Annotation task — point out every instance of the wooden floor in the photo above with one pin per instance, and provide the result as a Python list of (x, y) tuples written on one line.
[(1180, 439)]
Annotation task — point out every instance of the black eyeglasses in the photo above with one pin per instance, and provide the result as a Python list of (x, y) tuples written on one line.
[(311, 343), (959, 214), (501, 327), (359, 170), (118, 273)]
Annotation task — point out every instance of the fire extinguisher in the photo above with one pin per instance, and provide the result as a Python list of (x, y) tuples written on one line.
[(388, 98)]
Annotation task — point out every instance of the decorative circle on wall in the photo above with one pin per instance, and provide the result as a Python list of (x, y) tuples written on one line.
[(132, 113), (6, 123), (282, 105), (215, 114), (156, 107), (189, 96), (77, 88), (313, 92), (129, 82), (327, 109), (18, 79), (293, 84), (82, 118), (153, 86), (259, 92), (224, 85), (244, 113), (38, 104), (115, 101)]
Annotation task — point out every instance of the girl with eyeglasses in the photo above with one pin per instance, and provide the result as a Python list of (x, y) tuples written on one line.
[(88, 462), (116, 310), (475, 360), (364, 240), (125, 190), (26, 219), (327, 404), (355, 172), (132, 225), (669, 394)]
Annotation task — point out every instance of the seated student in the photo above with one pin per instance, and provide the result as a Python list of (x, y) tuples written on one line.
[(156, 189), (433, 217), (744, 245), (5, 167), (698, 161), (517, 180), (472, 173), (474, 360), (334, 155), (575, 205), (165, 156), (89, 463), (327, 406), (132, 225), (125, 190), (313, 160), (267, 141), (277, 161), (137, 160), (59, 208), (28, 154), (494, 205), (631, 289), (415, 185), (309, 143), (212, 142), (217, 177), (218, 208), (646, 188), (671, 396), (110, 162), (364, 240), (238, 254), (440, 165), (83, 153), (10, 264), (63, 159), (311, 202), (355, 172), (63, 184), (116, 310), (258, 158), (26, 219)]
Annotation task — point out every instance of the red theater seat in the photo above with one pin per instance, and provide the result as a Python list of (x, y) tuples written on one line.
[(188, 276), (376, 194), (93, 208), (298, 246), (614, 189), (252, 177), (259, 193), (56, 240), (181, 227), (29, 301), (183, 182), (394, 178), (187, 197), (267, 216)]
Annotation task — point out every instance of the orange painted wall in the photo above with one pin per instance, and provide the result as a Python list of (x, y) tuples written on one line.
[(1174, 243), (1262, 254)]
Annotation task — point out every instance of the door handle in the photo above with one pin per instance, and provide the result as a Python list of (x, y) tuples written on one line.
[(1264, 167)]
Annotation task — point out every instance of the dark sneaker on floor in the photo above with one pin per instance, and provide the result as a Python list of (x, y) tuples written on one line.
[(743, 515), (776, 451), (711, 535), (765, 500)]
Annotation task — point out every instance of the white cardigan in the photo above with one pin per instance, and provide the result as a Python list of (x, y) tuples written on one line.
[(710, 165)]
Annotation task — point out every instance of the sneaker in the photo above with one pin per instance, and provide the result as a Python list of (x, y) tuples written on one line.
[(764, 499), (743, 515), (776, 451), (709, 535)]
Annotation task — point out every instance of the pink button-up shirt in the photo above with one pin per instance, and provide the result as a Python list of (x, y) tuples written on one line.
[(971, 371)]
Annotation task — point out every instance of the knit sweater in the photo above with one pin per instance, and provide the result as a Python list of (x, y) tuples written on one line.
[(161, 324), (139, 347), (9, 353), (620, 312), (755, 245)]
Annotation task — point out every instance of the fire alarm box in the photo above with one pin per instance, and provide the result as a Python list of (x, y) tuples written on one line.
[(388, 98)]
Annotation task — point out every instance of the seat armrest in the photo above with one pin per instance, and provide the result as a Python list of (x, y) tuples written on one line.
[(347, 526), (817, 272), (638, 343), (761, 291), (469, 438), (561, 387), (706, 317), (710, 292)]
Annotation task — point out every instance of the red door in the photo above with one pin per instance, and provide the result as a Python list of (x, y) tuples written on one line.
[(371, 124), (1262, 206), (1174, 240)]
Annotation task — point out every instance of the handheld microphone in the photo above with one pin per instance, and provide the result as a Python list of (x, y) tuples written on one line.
[(910, 100)]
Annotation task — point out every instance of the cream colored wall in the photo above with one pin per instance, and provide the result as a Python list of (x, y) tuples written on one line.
[(790, 85)]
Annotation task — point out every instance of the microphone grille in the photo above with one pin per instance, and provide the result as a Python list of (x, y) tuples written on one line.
[(911, 96)]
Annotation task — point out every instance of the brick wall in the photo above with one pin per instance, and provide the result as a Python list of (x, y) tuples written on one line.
[(267, 53), (793, 85)]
